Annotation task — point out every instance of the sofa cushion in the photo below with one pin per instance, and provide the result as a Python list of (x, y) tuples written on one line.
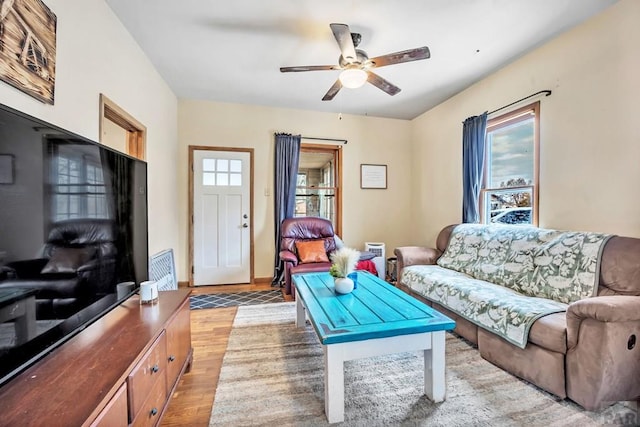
[(620, 267), (544, 368), (496, 253), (306, 228), (550, 332), (311, 251), (312, 267), (495, 308)]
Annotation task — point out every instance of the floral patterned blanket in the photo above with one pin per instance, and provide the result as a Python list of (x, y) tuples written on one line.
[(539, 272), (495, 308)]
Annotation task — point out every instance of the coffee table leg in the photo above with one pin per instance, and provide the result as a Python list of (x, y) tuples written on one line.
[(25, 325), (300, 313), (434, 380), (333, 383)]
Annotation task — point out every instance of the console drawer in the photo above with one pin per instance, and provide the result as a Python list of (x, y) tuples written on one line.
[(142, 379), (152, 408), (178, 343), (115, 413)]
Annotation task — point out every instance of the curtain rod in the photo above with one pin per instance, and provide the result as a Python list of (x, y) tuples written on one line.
[(547, 92), (325, 139)]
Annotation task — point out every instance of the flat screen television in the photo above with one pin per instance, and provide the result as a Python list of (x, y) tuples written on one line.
[(73, 224)]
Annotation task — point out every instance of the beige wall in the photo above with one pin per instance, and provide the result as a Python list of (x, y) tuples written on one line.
[(95, 54), (368, 215), (114, 136), (590, 137)]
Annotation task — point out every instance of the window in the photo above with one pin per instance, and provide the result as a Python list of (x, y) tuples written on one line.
[(222, 172), (510, 190), (316, 184), (79, 190), (301, 193)]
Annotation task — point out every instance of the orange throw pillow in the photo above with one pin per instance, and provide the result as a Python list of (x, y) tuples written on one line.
[(311, 251)]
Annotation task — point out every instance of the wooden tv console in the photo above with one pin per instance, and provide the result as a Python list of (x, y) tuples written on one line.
[(121, 370)]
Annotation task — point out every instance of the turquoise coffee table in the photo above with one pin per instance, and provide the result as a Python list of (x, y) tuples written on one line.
[(375, 319)]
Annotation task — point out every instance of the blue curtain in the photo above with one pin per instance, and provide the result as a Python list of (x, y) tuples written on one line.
[(287, 154), (473, 149)]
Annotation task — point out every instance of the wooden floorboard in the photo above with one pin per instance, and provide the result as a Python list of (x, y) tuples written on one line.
[(192, 400)]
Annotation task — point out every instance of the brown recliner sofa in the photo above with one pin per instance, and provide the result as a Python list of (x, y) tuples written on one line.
[(77, 265), (304, 229), (590, 353)]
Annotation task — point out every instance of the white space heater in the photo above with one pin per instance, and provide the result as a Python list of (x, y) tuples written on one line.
[(379, 260)]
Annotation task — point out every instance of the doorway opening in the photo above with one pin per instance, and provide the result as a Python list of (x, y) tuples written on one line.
[(120, 130), (319, 183)]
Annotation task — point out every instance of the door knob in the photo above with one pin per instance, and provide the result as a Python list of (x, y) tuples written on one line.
[(245, 225), (245, 216)]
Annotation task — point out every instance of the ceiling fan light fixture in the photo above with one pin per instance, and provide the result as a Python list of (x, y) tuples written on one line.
[(353, 78)]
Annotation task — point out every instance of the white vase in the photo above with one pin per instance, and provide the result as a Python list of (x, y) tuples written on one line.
[(343, 285)]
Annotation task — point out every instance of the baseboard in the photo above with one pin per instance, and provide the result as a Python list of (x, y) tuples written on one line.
[(185, 284)]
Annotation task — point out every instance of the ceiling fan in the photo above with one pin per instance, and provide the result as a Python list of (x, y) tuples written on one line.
[(356, 65)]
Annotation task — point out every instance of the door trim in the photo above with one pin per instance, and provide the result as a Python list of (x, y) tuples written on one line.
[(193, 148), (136, 131)]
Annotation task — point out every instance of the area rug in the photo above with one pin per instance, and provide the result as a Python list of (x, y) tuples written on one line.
[(236, 298), (272, 375)]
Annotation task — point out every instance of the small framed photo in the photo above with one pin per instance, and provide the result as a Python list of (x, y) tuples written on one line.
[(373, 176), (6, 168)]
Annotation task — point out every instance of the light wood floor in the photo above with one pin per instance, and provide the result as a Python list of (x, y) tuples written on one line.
[(192, 401)]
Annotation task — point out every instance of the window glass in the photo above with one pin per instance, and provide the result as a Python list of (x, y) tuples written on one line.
[(208, 178), (235, 179), (208, 165), (315, 184), (227, 172), (222, 179), (235, 165), (222, 165), (509, 194), (79, 189), (511, 152)]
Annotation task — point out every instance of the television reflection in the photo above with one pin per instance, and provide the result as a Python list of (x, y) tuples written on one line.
[(72, 226)]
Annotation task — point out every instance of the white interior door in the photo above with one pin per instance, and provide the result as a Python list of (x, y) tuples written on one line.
[(221, 226)]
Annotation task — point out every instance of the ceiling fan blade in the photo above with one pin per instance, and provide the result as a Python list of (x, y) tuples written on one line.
[(382, 84), (400, 57), (333, 91), (343, 37), (309, 68)]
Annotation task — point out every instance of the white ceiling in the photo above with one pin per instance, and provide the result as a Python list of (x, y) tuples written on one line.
[(231, 50)]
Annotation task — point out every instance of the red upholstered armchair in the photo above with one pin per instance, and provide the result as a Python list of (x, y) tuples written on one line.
[(300, 246)]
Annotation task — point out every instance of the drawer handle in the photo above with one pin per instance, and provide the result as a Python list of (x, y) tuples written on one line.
[(155, 369), (154, 412), (172, 358)]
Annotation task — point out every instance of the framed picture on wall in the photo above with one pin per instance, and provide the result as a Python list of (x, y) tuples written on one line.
[(28, 54), (373, 176)]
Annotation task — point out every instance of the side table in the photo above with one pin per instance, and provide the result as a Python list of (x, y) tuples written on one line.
[(19, 304)]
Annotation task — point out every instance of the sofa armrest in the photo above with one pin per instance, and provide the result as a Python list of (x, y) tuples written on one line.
[(602, 362), (28, 269), (288, 256), (414, 255), (614, 308)]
